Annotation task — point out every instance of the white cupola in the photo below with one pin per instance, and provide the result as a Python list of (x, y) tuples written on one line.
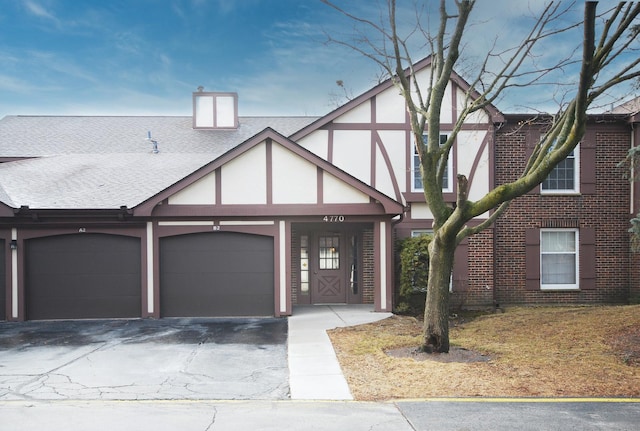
[(212, 110)]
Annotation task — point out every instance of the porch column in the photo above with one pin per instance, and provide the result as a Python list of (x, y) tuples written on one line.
[(14, 277), (283, 269), (150, 261), (384, 266)]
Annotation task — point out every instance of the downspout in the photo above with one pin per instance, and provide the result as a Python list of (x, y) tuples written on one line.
[(494, 299)]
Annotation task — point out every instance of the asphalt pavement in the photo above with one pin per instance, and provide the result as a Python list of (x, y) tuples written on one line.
[(237, 374), (416, 415)]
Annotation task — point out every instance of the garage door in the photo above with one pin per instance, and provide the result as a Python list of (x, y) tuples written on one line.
[(3, 282), (83, 276), (216, 274)]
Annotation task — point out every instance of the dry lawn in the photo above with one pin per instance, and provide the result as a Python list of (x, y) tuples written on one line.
[(529, 352)]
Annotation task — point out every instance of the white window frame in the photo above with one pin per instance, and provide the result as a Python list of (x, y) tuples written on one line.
[(575, 154), (415, 168), (555, 286)]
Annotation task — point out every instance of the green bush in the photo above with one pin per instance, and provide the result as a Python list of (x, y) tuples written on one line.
[(414, 271)]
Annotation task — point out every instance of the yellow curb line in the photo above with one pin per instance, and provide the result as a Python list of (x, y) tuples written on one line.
[(524, 400)]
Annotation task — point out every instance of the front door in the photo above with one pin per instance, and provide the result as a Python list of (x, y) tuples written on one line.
[(328, 281)]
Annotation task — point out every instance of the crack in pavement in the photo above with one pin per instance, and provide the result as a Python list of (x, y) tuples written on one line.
[(213, 419)]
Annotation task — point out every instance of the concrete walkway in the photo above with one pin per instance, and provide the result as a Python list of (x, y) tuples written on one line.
[(314, 371)]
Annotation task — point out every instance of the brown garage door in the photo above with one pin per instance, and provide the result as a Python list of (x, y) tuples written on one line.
[(83, 276), (216, 274), (3, 282)]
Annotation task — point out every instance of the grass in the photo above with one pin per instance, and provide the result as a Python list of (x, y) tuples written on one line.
[(534, 352)]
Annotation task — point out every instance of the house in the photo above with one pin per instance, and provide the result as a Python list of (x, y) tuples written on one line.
[(218, 214)]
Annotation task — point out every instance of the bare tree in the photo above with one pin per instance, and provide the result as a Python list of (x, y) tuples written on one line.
[(599, 72)]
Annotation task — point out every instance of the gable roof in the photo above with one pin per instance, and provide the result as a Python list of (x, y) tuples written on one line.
[(390, 205), (494, 113)]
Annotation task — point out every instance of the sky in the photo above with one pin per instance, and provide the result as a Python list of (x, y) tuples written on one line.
[(146, 57)]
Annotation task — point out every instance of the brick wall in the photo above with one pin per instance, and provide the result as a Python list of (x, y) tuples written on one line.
[(606, 210), (368, 266), (478, 289)]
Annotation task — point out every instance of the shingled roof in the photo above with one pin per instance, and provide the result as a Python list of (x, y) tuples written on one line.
[(106, 162)]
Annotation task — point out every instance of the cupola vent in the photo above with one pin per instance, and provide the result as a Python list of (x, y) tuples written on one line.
[(213, 110)]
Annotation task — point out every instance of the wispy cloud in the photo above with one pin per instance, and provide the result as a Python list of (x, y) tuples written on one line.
[(39, 11)]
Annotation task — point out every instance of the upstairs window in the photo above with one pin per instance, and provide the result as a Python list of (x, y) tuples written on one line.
[(447, 177), (565, 177)]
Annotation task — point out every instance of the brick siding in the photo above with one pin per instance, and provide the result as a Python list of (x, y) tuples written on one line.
[(607, 211)]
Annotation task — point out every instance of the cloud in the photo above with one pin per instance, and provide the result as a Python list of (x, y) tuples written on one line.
[(12, 84), (39, 11)]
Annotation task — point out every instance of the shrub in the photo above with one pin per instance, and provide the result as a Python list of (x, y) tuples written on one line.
[(414, 271)]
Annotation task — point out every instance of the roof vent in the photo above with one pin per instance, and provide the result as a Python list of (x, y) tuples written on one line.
[(215, 110), (154, 143)]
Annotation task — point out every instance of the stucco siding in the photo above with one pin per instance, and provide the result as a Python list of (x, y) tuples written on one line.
[(359, 114), (294, 179), (352, 153), (201, 192), (244, 178), (337, 192), (390, 107), (317, 143)]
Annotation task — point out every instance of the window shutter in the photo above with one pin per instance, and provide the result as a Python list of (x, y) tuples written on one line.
[(532, 241), (531, 140), (460, 276), (588, 163), (587, 258)]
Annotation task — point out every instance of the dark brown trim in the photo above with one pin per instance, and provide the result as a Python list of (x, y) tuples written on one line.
[(257, 211), (395, 126), (5, 240), (454, 102), (269, 170), (587, 167), (265, 230), (218, 173), (587, 256), (373, 136), (320, 186), (330, 146), (532, 258)]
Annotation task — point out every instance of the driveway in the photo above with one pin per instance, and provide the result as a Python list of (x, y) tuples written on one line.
[(144, 359)]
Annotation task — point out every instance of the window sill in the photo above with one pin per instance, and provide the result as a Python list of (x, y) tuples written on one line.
[(559, 289), (559, 193)]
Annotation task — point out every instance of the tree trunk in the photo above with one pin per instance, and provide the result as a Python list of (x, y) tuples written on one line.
[(436, 312)]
